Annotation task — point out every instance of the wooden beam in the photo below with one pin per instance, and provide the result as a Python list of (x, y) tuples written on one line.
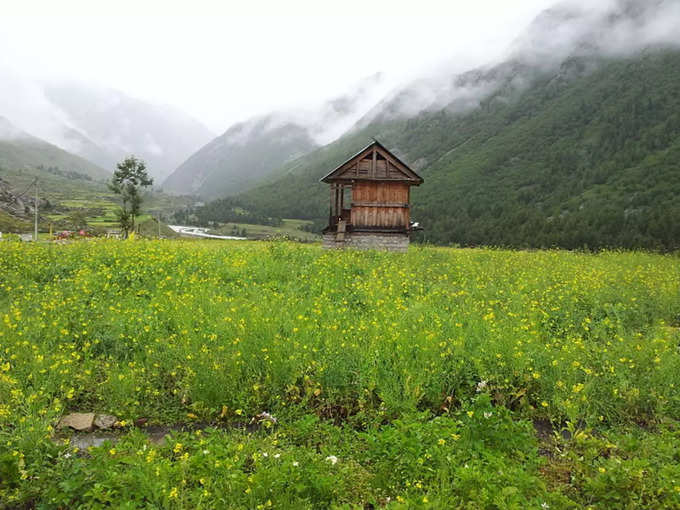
[(380, 204), (374, 163)]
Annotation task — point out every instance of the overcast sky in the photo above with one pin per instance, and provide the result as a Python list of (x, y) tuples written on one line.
[(225, 61)]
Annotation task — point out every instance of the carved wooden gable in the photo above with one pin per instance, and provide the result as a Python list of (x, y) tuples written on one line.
[(374, 163)]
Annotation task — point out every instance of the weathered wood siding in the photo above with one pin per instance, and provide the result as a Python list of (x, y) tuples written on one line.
[(380, 204)]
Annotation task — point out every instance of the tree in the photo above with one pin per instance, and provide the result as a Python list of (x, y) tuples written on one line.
[(127, 182), (77, 220)]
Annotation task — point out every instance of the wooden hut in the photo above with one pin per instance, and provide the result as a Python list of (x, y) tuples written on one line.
[(370, 195)]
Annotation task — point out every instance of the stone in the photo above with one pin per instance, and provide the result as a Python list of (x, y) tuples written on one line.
[(368, 241), (105, 421), (141, 422), (77, 421)]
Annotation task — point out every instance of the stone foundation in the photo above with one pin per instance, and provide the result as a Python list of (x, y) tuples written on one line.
[(367, 241)]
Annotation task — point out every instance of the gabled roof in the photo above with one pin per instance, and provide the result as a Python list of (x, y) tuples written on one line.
[(394, 170)]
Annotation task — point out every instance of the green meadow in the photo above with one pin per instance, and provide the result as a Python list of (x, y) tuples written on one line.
[(278, 375)]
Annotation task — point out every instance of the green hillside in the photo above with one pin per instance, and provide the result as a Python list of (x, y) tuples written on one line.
[(586, 155), (20, 150), (235, 161)]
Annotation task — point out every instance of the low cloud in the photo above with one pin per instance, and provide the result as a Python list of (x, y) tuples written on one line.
[(575, 28)]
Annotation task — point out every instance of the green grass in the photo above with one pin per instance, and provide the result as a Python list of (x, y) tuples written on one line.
[(439, 378), (290, 228), (93, 199)]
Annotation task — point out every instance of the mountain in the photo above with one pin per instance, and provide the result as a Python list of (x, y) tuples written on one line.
[(249, 152), (246, 153), (575, 146), (105, 125), (19, 150)]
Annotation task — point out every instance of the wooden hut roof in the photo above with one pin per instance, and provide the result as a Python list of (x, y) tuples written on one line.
[(344, 172)]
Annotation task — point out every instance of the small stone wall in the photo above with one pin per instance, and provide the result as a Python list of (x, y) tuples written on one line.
[(367, 241)]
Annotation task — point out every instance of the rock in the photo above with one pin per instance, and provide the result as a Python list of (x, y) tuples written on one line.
[(105, 421), (140, 422), (77, 421)]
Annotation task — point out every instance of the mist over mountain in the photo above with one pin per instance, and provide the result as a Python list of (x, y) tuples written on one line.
[(570, 141), (249, 151), (120, 125), (19, 150), (245, 154), (100, 124), (570, 29)]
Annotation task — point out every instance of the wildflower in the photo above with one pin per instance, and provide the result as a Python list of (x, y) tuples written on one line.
[(441, 442), (173, 493), (265, 416), (488, 415), (277, 455), (481, 385), (545, 506), (296, 463), (177, 448), (332, 459)]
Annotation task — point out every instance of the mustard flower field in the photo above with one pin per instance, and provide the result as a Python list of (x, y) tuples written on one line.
[(278, 375)]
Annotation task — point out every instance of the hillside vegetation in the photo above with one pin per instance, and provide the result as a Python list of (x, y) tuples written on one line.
[(20, 150), (440, 378), (235, 161), (585, 155), (71, 201)]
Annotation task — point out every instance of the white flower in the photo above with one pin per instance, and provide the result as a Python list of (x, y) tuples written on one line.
[(296, 463), (265, 416), (488, 415), (277, 455), (332, 459), (481, 385), (545, 506), (205, 452), (265, 454), (67, 455)]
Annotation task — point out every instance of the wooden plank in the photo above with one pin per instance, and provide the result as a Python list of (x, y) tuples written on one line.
[(380, 204), (374, 163)]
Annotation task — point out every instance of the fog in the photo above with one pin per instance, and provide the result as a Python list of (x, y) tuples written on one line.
[(166, 70), (569, 29), (224, 62)]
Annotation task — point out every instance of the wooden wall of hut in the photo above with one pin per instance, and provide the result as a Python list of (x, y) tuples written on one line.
[(380, 204)]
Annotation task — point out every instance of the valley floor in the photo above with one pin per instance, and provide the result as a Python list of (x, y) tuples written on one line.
[(278, 375)]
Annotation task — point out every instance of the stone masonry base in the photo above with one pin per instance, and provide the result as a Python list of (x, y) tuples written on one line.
[(367, 241)]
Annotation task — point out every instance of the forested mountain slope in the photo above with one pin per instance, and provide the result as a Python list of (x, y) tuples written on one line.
[(584, 154), (234, 161)]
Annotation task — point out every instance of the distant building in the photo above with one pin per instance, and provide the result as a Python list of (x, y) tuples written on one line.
[(369, 207)]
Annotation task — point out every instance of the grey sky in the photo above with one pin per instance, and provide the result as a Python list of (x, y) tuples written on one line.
[(224, 61)]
